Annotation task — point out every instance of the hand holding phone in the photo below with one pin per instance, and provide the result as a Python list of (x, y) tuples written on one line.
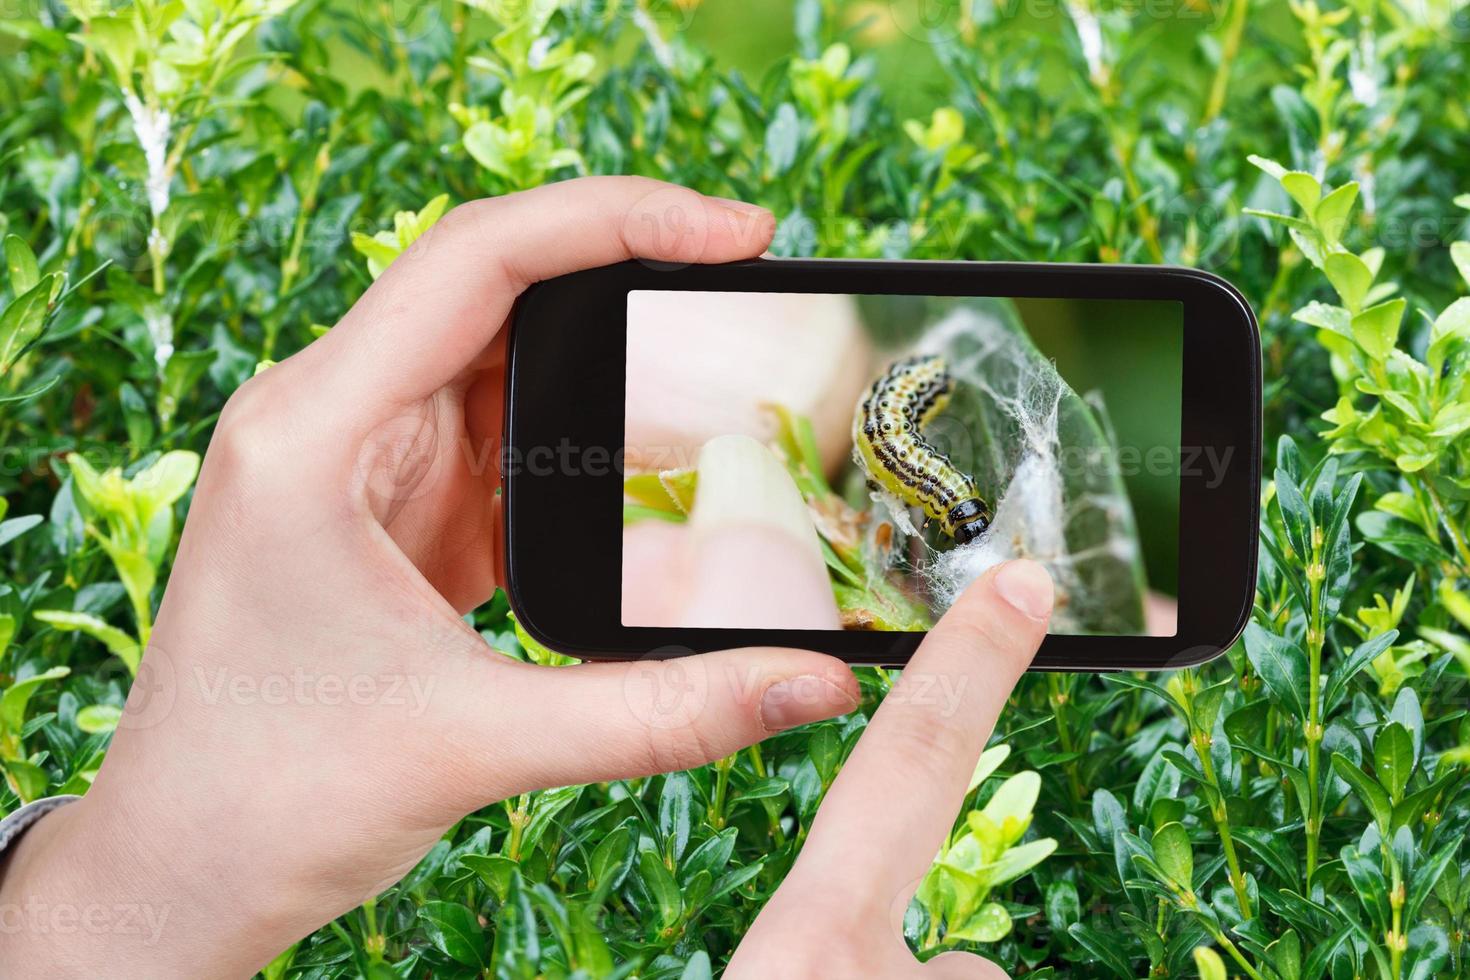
[(312, 713)]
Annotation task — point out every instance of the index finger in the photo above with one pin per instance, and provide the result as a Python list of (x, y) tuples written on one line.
[(438, 306), (908, 775)]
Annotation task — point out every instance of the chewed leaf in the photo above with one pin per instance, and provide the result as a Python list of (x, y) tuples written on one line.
[(669, 494), (795, 439), (680, 486)]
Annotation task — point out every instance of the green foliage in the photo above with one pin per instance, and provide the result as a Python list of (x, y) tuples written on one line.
[(983, 854), (183, 188)]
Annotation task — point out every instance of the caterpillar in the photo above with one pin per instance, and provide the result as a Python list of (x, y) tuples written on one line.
[(887, 433)]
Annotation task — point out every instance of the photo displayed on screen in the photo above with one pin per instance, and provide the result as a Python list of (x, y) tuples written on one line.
[(900, 445)]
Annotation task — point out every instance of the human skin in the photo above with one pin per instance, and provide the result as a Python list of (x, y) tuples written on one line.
[(313, 713)]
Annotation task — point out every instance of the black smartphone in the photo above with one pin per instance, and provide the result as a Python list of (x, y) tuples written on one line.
[(928, 419)]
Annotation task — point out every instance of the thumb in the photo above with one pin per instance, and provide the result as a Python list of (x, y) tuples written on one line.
[(564, 726), (751, 559), (754, 558)]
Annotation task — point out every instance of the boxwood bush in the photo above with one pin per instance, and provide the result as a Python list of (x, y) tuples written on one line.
[(190, 190)]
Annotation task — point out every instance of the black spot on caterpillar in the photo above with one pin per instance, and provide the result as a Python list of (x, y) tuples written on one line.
[(887, 430)]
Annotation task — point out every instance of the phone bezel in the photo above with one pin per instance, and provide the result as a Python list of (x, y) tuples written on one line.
[(565, 396)]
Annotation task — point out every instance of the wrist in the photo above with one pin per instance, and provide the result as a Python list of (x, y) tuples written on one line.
[(87, 891)]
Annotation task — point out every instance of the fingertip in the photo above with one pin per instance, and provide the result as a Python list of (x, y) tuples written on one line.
[(1026, 586), (806, 698), (755, 576), (740, 230), (1004, 612)]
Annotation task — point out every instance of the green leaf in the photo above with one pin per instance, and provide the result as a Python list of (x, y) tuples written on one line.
[(783, 139), (1450, 328), (1108, 816), (1340, 676), (1010, 806), (1296, 517), (23, 320), (455, 931), (13, 702), (118, 642), (990, 923), (1174, 854), (1368, 881), (495, 870), (1159, 779), (27, 780), (1326, 317), (610, 860), (1376, 329), (1063, 905), (825, 749), (1304, 189), (1427, 874), (1209, 964), (1271, 167), (1350, 276), (1331, 213), (1393, 759), (1105, 948), (182, 372), (711, 856), (698, 967), (97, 719), (20, 264), (1453, 320), (676, 813), (1282, 665), (165, 482), (115, 38), (1368, 791), (1285, 955), (1020, 859), (1408, 712), (990, 760), (1460, 254), (762, 789), (16, 526), (544, 811), (661, 888)]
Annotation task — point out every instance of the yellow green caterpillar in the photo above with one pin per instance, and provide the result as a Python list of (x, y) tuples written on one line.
[(887, 431)]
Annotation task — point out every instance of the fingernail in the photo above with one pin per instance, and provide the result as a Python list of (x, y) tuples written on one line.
[(802, 700), (743, 484), (739, 207), (1027, 586)]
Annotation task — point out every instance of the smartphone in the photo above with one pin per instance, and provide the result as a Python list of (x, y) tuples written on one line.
[(931, 419)]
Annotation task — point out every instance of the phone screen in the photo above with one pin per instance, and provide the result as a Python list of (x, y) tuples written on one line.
[(895, 447)]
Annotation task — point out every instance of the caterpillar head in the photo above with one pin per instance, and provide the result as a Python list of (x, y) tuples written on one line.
[(969, 519)]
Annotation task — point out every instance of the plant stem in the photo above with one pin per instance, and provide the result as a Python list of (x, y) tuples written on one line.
[(1313, 726), (1396, 936), (1221, 815), (1059, 698), (519, 817), (1236, 955), (1461, 548), (1229, 48), (722, 786), (1148, 226), (758, 763)]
